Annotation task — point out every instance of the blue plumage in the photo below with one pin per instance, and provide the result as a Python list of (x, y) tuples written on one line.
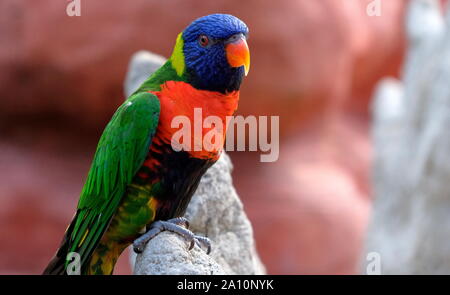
[(217, 25), (207, 67)]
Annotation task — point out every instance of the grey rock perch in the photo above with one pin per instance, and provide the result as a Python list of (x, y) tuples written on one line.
[(215, 211), (410, 226), (142, 65)]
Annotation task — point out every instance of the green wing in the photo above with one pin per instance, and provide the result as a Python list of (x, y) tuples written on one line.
[(121, 151)]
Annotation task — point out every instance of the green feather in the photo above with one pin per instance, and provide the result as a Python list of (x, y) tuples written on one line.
[(165, 73), (121, 151)]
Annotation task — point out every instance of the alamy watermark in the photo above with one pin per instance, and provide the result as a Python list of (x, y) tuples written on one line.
[(73, 8), (74, 265), (207, 134), (374, 8), (373, 263)]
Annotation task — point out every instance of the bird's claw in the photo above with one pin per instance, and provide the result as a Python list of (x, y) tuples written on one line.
[(203, 241), (181, 221), (177, 225)]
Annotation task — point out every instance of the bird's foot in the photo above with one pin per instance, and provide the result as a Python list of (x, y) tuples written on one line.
[(177, 225)]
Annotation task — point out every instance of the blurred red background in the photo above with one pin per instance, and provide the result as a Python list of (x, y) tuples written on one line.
[(314, 64)]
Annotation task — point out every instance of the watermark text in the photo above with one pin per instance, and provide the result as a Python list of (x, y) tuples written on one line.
[(199, 134), (74, 8)]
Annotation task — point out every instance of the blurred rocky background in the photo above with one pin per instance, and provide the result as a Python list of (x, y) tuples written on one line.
[(410, 225), (315, 64)]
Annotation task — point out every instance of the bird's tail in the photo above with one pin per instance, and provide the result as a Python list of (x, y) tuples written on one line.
[(57, 266), (101, 260)]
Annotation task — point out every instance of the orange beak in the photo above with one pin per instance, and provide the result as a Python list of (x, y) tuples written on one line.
[(238, 54)]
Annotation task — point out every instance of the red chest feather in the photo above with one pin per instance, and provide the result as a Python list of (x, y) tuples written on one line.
[(202, 113)]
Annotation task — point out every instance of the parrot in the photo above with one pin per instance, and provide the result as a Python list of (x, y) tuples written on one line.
[(139, 184)]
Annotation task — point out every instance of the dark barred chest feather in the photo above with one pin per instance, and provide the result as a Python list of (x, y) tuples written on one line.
[(174, 177)]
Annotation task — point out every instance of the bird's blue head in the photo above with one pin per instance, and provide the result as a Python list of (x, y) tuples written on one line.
[(212, 53)]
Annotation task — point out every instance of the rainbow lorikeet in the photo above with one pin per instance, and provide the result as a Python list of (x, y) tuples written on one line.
[(137, 179)]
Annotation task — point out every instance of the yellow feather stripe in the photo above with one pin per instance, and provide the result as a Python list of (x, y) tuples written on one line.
[(83, 238), (177, 58)]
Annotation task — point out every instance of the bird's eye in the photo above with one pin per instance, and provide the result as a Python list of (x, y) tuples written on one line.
[(234, 38), (203, 40)]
